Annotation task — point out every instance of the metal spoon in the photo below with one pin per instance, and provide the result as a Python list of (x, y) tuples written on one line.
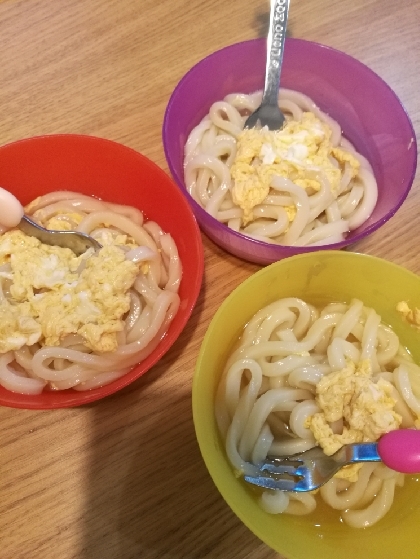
[(74, 240), (12, 211), (269, 113)]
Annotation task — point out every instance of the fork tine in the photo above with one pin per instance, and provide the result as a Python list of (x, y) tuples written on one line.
[(285, 464), (279, 468), (270, 483), (251, 121), (299, 485)]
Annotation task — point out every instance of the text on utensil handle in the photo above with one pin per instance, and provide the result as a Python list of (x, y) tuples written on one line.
[(278, 29)]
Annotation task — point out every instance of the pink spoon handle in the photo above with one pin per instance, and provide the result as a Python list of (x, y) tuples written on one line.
[(400, 450)]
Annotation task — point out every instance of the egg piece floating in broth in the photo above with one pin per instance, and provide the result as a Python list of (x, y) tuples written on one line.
[(364, 408), (412, 315)]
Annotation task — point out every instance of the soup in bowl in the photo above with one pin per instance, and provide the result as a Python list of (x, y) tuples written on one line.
[(236, 429)]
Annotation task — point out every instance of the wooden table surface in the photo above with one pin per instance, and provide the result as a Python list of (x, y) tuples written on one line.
[(94, 482)]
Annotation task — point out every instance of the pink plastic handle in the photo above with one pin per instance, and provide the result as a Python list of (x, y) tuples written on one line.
[(400, 450)]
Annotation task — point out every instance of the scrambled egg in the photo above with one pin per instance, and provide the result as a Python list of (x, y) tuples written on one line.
[(298, 152), (69, 221), (63, 222), (54, 293), (411, 315), (366, 408)]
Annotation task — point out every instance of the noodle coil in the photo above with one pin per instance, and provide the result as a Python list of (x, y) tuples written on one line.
[(305, 185)]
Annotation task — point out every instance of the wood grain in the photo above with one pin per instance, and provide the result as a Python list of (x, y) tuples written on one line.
[(123, 478)]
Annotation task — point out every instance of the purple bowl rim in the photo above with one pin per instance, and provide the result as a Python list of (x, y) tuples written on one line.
[(275, 248)]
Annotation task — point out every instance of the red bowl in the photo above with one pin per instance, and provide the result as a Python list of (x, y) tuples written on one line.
[(116, 173)]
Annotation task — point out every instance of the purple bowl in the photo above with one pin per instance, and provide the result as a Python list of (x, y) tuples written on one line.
[(370, 114)]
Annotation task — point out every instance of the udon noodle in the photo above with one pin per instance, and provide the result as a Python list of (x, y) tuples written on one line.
[(153, 298), (321, 216), (267, 395)]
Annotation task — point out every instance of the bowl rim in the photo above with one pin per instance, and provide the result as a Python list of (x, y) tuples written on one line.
[(255, 243), (75, 398)]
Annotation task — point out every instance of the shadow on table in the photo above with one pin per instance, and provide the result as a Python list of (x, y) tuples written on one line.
[(150, 496)]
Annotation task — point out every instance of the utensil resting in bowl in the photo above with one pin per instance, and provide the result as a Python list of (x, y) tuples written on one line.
[(337, 83), (268, 113), (306, 471), (88, 170), (11, 216), (74, 240)]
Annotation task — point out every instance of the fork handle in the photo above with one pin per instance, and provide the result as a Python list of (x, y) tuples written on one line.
[(275, 48), (400, 450)]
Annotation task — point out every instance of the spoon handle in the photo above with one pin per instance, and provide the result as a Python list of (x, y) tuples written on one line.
[(275, 48), (400, 450)]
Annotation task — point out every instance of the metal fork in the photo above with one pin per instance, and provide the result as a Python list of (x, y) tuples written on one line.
[(78, 242), (399, 450), (268, 113)]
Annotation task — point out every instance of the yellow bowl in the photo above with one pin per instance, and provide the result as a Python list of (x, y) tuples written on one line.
[(318, 277)]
